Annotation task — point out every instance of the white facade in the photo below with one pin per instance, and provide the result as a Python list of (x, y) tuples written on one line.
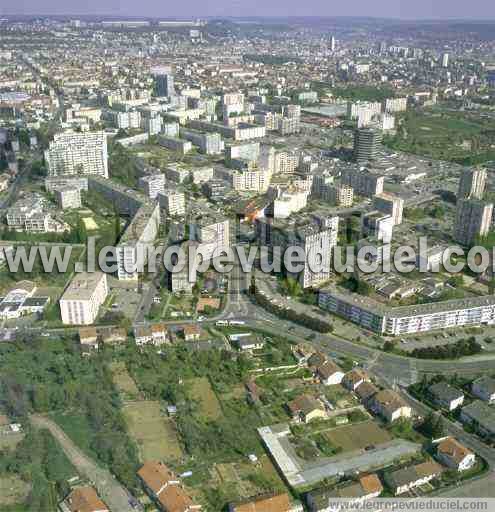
[(83, 297), (78, 153)]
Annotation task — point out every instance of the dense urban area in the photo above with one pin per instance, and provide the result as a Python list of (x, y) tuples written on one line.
[(245, 391)]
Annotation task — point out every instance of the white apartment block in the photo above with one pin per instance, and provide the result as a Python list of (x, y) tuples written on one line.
[(212, 235), (394, 105), (83, 297), (285, 162), (397, 321), (68, 197), (172, 201), (391, 205), (363, 109), (288, 202), (78, 153), (138, 238), (153, 184)]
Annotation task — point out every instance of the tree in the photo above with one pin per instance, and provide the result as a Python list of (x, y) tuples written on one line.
[(433, 426)]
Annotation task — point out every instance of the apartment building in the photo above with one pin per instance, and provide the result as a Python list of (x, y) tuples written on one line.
[(394, 105), (396, 321), (172, 201), (83, 297), (78, 153), (208, 143), (152, 184), (473, 220), (212, 231), (68, 197), (472, 184), (33, 215), (363, 182), (140, 234), (390, 205), (315, 235), (178, 145), (286, 162)]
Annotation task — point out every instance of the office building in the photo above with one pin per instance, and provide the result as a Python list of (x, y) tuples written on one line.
[(472, 184), (83, 297), (473, 220), (78, 153), (445, 60), (367, 143), (391, 205)]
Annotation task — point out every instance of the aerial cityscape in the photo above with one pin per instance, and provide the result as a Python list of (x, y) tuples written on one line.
[(247, 256)]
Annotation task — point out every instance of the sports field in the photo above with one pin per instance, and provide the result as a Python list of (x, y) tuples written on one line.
[(154, 433)]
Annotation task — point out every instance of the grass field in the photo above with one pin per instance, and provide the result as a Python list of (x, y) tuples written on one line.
[(123, 381), (356, 437), (200, 390), (154, 433), (441, 134), (10, 441), (12, 490)]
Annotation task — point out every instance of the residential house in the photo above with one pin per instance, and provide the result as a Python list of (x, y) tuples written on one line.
[(191, 332), (481, 416), (249, 343), (159, 334), (329, 373), (405, 479), (390, 405), (143, 335), (83, 499), (266, 503), (165, 488), (306, 408), (455, 455), (365, 488), (353, 379), (446, 396), (302, 353), (317, 359), (484, 389), (88, 338), (366, 391), (114, 336)]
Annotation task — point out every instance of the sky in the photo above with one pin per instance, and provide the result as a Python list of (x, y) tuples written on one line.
[(407, 9)]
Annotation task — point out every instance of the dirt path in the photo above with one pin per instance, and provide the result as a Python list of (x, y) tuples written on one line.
[(109, 489)]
